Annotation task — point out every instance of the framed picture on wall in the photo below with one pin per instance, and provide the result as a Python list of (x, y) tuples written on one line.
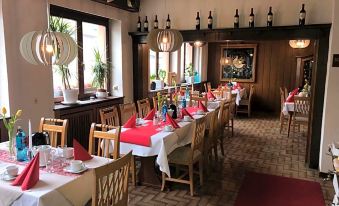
[(240, 64)]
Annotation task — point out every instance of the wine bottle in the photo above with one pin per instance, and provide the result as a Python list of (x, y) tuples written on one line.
[(270, 18), (251, 19), (197, 22), (139, 25), (168, 22), (156, 23), (302, 15), (236, 19), (210, 21), (146, 25)]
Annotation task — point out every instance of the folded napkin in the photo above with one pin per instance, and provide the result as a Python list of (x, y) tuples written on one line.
[(150, 115), (290, 97), (184, 112), (171, 121), (29, 176), (210, 95), (131, 123), (202, 107), (80, 153)]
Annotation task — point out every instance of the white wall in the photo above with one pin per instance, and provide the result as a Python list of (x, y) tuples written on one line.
[(286, 12), (330, 128), (30, 86)]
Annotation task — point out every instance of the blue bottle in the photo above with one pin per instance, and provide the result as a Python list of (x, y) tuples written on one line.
[(164, 110), (183, 103), (21, 147)]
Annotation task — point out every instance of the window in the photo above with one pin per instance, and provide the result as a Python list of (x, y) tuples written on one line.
[(91, 34)]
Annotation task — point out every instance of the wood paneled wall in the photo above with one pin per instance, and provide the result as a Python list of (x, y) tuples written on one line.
[(276, 66)]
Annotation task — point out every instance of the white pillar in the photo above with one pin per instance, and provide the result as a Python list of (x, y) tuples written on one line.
[(330, 124)]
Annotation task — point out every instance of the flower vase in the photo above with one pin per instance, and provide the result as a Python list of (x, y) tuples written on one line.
[(11, 145)]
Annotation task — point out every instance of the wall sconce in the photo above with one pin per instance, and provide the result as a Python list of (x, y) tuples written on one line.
[(198, 43), (300, 43)]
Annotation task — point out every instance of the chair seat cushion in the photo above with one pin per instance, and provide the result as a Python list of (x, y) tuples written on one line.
[(182, 156)]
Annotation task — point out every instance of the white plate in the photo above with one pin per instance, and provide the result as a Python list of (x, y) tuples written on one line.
[(7, 177), (68, 169), (172, 130)]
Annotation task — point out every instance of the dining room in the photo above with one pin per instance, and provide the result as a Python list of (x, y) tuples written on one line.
[(145, 102)]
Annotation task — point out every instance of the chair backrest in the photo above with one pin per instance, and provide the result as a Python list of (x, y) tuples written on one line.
[(286, 93), (198, 136), (301, 106), (218, 93), (156, 100), (101, 137), (144, 107), (109, 116), (233, 105), (224, 114), (208, 86), (126, 111), (214, 126), (282, 97), (111, 183), (56, 128), (196, 98)]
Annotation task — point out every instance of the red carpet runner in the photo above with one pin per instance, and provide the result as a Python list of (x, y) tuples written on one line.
[(269, 190)]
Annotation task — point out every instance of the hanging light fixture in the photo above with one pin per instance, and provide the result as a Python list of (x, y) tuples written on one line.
[(226, 60), (300, 43), (164, 40), (48, 47)]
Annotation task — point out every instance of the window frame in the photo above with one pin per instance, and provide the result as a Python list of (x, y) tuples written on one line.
[(81, 17)]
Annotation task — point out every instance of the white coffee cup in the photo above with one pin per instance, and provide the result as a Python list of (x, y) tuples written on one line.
[(139, 121), (200, 112), (12, 170), (187, 118), (168, 128), (67, 152), (76, 165)]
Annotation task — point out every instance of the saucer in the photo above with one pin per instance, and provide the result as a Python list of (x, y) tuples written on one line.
[(171, 130), (187, 120), (68, 169), (7, 177)]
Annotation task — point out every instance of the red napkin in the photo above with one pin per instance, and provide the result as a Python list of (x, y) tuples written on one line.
[(171, 121), (80, 153), (290, 97), (131, 123), (202, 106), (30, 175), (150, 115), (184, 112), (210, 95)]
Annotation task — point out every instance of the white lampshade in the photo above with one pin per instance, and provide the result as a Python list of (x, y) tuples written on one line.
[(48, 48), (300, 43), (164, 40)]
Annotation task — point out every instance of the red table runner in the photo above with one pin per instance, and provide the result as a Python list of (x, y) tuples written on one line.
[(140, 135)]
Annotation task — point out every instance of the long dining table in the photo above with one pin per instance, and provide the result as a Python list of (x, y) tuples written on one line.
[(53, 188)]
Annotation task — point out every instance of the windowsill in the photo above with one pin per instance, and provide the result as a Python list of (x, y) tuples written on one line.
[(172, 87)]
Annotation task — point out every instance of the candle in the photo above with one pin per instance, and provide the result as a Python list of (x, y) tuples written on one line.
[(29, 135)]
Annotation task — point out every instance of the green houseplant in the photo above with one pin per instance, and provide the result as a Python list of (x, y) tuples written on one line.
[(190, 73), (57, 24), (101, 72)]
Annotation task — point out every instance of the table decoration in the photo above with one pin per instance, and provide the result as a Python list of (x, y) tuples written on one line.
[(131, 123), (150, 115), (30, 176), (202, 107), (80, 153), (171, 121), (10, 129), (184, 113)]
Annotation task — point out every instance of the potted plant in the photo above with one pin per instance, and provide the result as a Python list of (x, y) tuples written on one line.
[(190, 73), (57, 24), (101, 72), (160, 82)]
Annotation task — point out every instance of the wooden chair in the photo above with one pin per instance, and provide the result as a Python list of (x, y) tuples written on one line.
[(286, 93), (110, 116), (208, 87), (245, 104), (188, 156), (110, 186), (232, 112), (56, 129), (100, 138), (283, 118), (224, 119), (301, 111), (218, 94), (211, 137), (126, 111), (156, 100), (144, 107), (196, 98)]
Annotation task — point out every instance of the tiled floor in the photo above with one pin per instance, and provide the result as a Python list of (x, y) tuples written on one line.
[(256, 146)]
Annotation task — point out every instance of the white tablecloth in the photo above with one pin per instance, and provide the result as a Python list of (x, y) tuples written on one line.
[(163, 143), (52, 189), (288, 107)]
